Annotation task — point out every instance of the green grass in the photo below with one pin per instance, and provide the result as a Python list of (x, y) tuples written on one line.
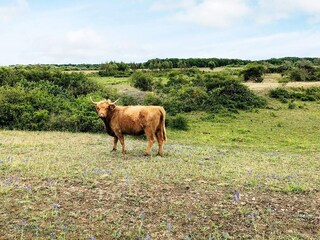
[(274, 129), (252, 175), (106, 81), (70, 186), (120, 85)]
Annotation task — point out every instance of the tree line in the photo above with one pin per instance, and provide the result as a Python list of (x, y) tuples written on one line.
[(111, 67)]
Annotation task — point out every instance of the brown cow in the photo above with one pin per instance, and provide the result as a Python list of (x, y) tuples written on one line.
[(133, 120)]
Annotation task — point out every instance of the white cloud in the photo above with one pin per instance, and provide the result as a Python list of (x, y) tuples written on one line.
[(85, 38), (172, 5), (217, 14), (79, 34), (308, 6), (300, 44), (81, 45), (274, 10), (227, 13), (11, 11)]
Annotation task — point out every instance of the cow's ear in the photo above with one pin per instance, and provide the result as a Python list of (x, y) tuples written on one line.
[(112, 107)]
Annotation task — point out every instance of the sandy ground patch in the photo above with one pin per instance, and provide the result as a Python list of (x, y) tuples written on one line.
[(272, 85)]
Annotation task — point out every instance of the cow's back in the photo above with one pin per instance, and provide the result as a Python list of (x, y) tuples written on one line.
[(133, 119)]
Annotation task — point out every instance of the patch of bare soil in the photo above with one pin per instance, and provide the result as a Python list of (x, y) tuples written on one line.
[(271, 85)]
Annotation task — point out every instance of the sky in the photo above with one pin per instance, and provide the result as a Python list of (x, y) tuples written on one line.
[(98, 31)]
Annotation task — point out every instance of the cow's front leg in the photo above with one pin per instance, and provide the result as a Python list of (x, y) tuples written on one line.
[(121, 138), (115, 141)]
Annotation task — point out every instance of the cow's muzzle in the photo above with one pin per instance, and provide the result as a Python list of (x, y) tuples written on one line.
[(102, 115)]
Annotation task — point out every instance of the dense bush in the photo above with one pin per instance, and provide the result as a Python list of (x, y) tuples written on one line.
[(304, 70), (114, 69), (152, 99), (232, 95), (128, 100), (254, 72), (142, 80), (210, 92), (177, 80), (40, 98), (178, 122), (297, 75), (303, 94), (74, 84), (186, 99)]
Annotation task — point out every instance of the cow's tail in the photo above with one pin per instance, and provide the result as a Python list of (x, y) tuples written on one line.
[(163, 123)]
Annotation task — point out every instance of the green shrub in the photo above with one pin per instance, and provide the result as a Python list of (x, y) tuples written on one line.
[(178, 122), (152, 99), (297, 75), (292, 105), (210, 92), (308, 94), (142, 80), (231, 95), (39, 98), (128, 100), (108, 69), (279, 93), (253, 72), (177, 81), (304, 71), (186, 99)]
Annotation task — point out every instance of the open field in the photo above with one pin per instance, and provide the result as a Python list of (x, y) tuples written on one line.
[(119, 84), (255, 175), (107, 81)]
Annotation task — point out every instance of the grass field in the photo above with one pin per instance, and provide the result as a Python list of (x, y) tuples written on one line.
[(119, 84), (255, 175), (107, 81)]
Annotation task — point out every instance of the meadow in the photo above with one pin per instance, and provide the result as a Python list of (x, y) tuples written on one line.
[(254, 175), (233, 174)]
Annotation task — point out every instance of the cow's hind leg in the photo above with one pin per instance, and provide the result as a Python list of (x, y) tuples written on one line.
[(150, 137), (160, 142), (115, 141)]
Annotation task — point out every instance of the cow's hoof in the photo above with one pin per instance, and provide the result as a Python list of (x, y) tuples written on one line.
[(160, 154), (114, 150), (146, 154)]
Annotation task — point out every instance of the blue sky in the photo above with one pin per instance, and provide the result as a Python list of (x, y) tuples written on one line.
[(96, 31)]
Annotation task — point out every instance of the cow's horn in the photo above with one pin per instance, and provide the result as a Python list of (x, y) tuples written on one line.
[(93, 101), (116, 100)]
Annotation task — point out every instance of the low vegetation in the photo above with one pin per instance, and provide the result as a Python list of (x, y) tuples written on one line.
[(238, 164), (251, 175), (303, 94), (49, 99)]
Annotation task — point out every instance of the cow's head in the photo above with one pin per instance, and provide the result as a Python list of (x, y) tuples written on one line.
[(104, 107)]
